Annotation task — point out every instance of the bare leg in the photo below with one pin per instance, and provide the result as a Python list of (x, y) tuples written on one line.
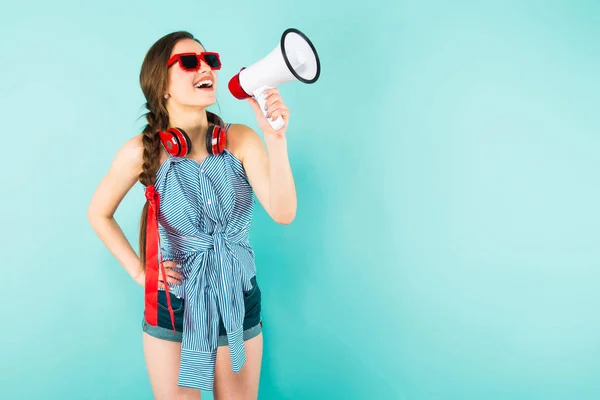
[(162, 361), (244, 384)]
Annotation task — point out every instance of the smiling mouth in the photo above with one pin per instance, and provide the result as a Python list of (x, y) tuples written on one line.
[(204, 84)]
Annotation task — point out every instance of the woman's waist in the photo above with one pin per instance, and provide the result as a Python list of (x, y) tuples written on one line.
[(187, 252), (201, 241)]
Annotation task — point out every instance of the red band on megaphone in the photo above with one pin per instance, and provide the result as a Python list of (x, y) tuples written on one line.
[(236, 88)]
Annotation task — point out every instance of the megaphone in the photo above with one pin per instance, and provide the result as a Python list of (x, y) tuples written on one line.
[(294, 59)]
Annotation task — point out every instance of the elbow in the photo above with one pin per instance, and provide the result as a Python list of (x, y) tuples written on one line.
[(91, 216), (283, 211), (285, 218), (94, 217)]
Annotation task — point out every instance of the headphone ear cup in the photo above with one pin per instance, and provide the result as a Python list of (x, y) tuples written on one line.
[(216, 140), (176, 142), (186, 142)]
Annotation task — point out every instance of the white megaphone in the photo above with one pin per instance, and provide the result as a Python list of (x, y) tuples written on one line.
[(294, 59)]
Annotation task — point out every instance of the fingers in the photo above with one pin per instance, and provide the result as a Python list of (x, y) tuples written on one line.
[(278, 109), (279, 112), (170, 282), (273, 97), (174, 276), (275, 107)]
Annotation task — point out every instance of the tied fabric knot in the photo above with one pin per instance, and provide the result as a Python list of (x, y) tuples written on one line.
[(153, 260), (219, 239)]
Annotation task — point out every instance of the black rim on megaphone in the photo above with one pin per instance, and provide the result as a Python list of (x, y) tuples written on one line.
[(287, 62)]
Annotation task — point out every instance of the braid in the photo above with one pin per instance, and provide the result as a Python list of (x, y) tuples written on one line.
[(151, 150), (150, 165)]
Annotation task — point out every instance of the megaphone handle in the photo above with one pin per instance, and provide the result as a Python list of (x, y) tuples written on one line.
[(261, 98)]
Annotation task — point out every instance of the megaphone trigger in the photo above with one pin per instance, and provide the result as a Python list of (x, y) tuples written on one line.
[(260, 95)]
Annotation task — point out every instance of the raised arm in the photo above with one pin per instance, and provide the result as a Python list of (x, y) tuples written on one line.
[(267, 164)]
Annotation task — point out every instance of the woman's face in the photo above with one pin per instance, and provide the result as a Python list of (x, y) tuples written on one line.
[(196, 88)]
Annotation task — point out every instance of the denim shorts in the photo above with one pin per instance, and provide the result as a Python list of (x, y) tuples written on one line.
[(164, 330)]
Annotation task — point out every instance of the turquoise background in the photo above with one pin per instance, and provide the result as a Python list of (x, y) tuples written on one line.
[(446, 244)]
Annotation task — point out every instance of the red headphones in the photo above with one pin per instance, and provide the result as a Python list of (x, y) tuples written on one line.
[(178, 143)]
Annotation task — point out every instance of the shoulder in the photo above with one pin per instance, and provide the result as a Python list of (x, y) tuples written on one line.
[(132, 150), (130, 156), (239, 133), (241, 139), (133, 145)]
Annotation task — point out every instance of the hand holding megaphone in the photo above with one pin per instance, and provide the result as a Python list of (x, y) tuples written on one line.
[(270, 110), (294, 58), (260, 95)]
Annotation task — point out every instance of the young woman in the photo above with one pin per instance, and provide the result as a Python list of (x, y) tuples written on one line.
[(204, 333)]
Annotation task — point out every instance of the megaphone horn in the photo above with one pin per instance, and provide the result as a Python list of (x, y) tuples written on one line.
[(293, 59)]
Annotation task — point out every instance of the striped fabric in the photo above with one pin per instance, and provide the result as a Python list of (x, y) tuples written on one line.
[(204, 223)]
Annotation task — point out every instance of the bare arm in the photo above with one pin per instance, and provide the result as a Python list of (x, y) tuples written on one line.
[(122, 175), (268, 166), (270, 174)]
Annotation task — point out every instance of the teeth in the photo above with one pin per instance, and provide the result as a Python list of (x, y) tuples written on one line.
[(204, 83)]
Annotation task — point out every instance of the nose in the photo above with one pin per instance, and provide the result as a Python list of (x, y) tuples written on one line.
[(203, 66)]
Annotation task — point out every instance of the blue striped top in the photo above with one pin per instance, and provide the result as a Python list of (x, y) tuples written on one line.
[(204, 222)]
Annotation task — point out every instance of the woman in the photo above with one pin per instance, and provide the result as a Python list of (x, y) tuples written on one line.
[(206, 334)]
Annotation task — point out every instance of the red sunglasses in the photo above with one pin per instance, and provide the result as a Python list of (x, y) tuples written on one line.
[(191, 61)]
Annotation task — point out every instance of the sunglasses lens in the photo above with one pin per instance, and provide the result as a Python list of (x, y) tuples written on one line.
[(189, 62), (212, 60)]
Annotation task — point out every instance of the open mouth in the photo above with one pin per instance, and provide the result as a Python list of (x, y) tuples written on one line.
[(204, 84)]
